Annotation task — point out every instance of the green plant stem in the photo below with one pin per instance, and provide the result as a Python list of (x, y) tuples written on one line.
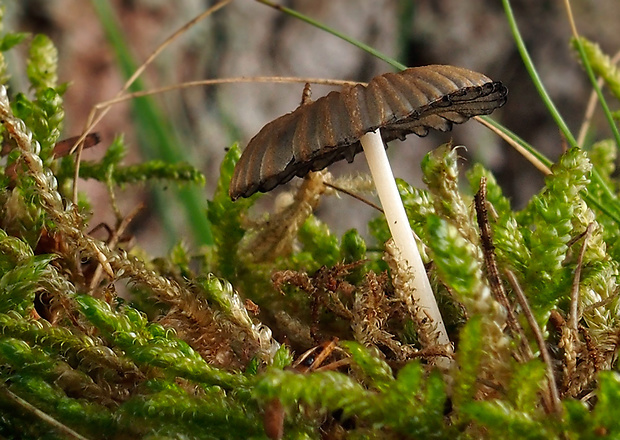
[(529, 65), (392, 62), (515, 137), (531, 69), (49, 420)]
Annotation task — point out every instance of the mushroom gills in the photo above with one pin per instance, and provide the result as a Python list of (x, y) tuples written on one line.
[(329, 129)]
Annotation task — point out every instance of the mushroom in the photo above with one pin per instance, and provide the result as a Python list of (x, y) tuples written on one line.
[(341, 124)]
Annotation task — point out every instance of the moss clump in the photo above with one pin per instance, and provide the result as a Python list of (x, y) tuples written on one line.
[(281, 328)]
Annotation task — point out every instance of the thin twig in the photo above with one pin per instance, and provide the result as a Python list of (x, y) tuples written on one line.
[(335, 365), (540, 341), (573, 316), (355, 196), (92, 121), (234, 80), (30, 408), (522, 151)]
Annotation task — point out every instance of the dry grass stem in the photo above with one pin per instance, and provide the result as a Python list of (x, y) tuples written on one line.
[(555, 405), (522, 151)]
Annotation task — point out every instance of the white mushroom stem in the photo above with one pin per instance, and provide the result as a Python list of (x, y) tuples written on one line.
[(400, 229)]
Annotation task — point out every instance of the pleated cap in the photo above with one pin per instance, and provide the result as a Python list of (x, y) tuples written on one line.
[(327, 130)]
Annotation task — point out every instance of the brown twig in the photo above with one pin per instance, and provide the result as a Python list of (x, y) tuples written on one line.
[(311, 359), (31, 409), (355, 196), (556, 404), (570, 332), (522, 151), (573, 316), (113, 241), (219, 81)]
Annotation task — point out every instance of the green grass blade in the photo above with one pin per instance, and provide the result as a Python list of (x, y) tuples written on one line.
[(529, 65), (353, 41), (531, 69)]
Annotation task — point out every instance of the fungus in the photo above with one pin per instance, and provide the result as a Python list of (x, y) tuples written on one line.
[(341, 124)]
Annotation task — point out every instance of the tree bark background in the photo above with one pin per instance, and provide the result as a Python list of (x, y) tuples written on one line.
[(247, 38)]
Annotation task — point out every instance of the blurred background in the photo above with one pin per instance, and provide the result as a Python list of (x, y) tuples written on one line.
[(246, 38)]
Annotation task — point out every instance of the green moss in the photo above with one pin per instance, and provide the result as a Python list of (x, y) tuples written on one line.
[(311, 340)]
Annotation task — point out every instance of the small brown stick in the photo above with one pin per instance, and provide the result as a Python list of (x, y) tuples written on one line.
[(570, 334), (327, 350), (497, 287), (522, 151), (27, 406), (322, 351), (355, 196), (219, 81), (556, 404), (335, 365), (573, 316)]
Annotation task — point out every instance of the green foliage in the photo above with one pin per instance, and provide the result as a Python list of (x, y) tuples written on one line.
[(502, 420), (273, 330), (109, 169), (408, 405), (455, 258), (375, 369), (43, 115), (11, 40), (225, 218), (42, 62), (7, 42), (602, 65), (320, 243), (19, 285), (550, 220), (469, 355), (148, 343)]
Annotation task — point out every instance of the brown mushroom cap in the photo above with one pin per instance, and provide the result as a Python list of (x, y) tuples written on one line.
[(327, 130)]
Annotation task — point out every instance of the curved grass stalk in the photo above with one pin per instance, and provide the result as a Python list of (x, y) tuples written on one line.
[(531, 69), (219, 81)]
